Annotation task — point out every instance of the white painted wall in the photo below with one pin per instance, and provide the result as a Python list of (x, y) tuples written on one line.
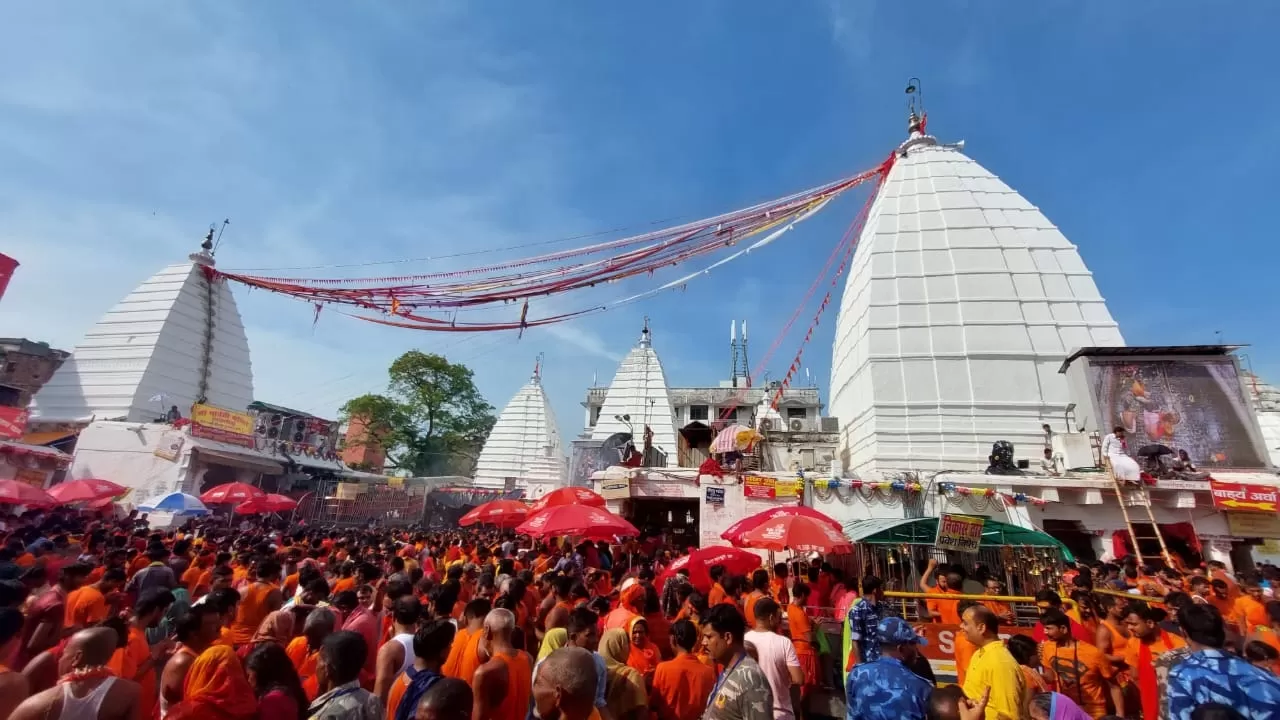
[(124, 453)]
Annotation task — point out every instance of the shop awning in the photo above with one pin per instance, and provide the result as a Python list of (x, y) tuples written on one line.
[(315, 463), (923, 531), (236, 456)]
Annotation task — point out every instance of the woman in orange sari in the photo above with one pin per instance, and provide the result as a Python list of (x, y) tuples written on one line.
[(216, 689), (643, 655)]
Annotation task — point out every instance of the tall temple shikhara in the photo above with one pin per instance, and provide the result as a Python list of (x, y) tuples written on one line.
[(177, 339), (523, 451), (960, 304)]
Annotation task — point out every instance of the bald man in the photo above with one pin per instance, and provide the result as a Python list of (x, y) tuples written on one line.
[(565, 688), (448, 699), (83, 668), (503, 684)]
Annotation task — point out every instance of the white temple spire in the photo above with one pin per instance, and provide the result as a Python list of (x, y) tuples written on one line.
[(524, 449), (637, 398), (177, 335), (959, 306)]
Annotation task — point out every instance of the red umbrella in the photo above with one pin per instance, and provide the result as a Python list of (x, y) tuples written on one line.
[(13, 492), (86, 491), (567, 496), (236, 492), (797, 533), (699, 562), (270, 503), (502, 513), (737, 530), (576, 521)]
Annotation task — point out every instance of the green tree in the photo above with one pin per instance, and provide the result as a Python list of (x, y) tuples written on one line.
[(432, 419)]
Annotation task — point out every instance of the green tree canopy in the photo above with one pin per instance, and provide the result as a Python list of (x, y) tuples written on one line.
[(432, 419)]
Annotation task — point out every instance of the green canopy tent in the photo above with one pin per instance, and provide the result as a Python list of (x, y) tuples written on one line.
[(923, 531)]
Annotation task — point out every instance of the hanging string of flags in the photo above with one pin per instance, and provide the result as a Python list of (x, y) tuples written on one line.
[(953, 490), (433, 301)]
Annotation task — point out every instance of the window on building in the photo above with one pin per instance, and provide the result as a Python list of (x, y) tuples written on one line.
[(698, 412), (727, 414), (797, 413), (806, 459), (595, 416)]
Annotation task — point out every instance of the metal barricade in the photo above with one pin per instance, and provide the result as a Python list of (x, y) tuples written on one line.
[(336, 502)]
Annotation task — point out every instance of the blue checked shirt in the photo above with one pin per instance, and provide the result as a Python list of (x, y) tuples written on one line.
[(864, 616), (1215, 676), (886, 690)]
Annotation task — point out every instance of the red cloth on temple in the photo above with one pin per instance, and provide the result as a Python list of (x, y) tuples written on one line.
[(711, 467)]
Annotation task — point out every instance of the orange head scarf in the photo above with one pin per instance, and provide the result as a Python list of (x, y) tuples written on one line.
[(276, 627), (216, 689)]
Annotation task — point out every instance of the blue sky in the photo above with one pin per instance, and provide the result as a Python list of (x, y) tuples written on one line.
[(338, 132)]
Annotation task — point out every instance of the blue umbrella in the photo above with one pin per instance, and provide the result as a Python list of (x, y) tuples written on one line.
[(176, 503)]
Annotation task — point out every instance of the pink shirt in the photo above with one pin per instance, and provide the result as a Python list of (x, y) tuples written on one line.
[(365, 623), (776, 654)]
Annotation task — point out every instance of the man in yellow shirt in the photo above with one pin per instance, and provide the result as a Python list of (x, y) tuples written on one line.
[(992, 669)]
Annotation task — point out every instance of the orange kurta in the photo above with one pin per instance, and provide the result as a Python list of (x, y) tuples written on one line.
[(681, 688), (251, 612), (716, 596), (397, 694), (515, 706), (125, 663), (191, 578), (344, 584), (86, 606), (1250, 613), (468, 657), (749, 607)]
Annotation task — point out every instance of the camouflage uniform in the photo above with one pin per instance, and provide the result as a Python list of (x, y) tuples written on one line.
[(743, 694)]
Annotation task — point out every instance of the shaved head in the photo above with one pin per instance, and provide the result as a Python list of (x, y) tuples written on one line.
[(500, 622), (89, 648), (566, 682), (447, 699)]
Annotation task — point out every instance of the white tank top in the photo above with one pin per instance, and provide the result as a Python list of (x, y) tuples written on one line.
[(406, 640), (87, 707)]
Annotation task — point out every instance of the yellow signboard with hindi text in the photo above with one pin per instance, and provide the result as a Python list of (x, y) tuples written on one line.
[(961, 533)]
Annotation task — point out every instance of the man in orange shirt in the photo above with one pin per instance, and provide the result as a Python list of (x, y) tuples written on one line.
[(256, 602), (191, 577), (682, 685), (464, 655), (196, 630), (1249, 612), (1002, 609), (137, 661), (778, 586), (1080, 670), (942, 611), (803, 637), (1147, 641), (717, 594), (502, 685), (759, 591), (89, 605)]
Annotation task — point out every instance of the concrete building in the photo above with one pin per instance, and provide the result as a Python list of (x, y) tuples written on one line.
[(523, 451), (25, 367), (175, 340)]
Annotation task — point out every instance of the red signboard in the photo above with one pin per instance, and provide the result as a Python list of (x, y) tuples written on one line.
[(1245, 498), (13, 421)]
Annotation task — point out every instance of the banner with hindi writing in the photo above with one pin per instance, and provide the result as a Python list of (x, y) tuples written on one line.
[(961, 533), (759, 486)]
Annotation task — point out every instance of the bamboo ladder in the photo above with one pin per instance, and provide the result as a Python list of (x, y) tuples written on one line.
[(1137, 496)]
